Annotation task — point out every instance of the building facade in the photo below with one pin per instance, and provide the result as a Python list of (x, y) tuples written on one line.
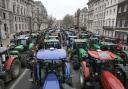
[(4, 18), (99, 15), (83, 18), (90, 16), (20, 15), (40, 16), (77, 18), (121, 30), (110, 18)]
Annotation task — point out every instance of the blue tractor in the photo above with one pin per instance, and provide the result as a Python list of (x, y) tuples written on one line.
[(51, 69)]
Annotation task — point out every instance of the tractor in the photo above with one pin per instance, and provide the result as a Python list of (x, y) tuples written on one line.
[(94, 43), (23, 48), (78, 51), (10, 67), (50, 69), (100, 71)]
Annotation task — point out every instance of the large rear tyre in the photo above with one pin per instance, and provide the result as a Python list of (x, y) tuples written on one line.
[(15, 68), (1, 84)]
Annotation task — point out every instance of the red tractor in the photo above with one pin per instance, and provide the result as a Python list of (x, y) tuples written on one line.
[(99, 71), (10, 67)]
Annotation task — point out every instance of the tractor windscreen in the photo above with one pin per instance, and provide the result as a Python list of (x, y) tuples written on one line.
[(52, 44), (22, 41)]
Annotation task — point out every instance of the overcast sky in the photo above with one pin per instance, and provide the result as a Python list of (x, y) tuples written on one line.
[(59, 8)]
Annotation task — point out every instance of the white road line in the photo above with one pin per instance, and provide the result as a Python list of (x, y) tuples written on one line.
[(18, 80)]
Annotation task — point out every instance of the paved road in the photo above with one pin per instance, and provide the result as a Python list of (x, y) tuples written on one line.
[(21, 82)]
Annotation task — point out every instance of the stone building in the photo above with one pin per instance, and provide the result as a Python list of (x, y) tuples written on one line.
[(110, 18), (20, 15), (77, 18), (99, 15), (40, 16), (121, 30), (83, 18), (90, 16), (4, 18), (21, 11)]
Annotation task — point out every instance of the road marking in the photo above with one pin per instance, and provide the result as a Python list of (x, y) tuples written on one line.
[(18, 80)]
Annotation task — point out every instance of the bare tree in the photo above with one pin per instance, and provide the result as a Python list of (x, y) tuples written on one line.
[(51, 20), (68, 21)]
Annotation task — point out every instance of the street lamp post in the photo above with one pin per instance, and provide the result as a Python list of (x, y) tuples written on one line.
[(0, 32)]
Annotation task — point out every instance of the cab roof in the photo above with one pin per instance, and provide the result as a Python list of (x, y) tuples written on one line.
[(23, 37), (51, 54), (80, 40), (51, 40)]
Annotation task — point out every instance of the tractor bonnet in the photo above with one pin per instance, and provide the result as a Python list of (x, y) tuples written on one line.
[(102, 55)]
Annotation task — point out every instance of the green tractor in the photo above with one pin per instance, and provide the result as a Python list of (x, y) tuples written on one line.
[(23, 48), (122, 55), (78, 52)]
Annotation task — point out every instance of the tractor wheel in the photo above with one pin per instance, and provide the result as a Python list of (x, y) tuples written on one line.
[(120, 74), (1, 84), (15, 68), (81, 79)]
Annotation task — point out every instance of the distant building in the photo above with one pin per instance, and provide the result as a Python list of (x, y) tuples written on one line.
[(5, 18), (21, 13), (90, 21), (76, 18), (83, 18), (110, 17), (121, 30), (40, 16)]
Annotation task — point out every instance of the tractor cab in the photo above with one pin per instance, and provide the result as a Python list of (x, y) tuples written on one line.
[(94, 43), (48, 43), (78, 52), (84, 36), (51, 69), (70, 40), (111, 40), (53, 37)]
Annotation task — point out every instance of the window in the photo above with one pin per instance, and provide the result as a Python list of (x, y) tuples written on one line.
[(19, 19), (19, 26), (4, 15), (111, 2), (119, 11), (14, 8), (113, 23), (16, 27), (110, 12), (125, 8), (114, 10), (22, 26), (15, 18)]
